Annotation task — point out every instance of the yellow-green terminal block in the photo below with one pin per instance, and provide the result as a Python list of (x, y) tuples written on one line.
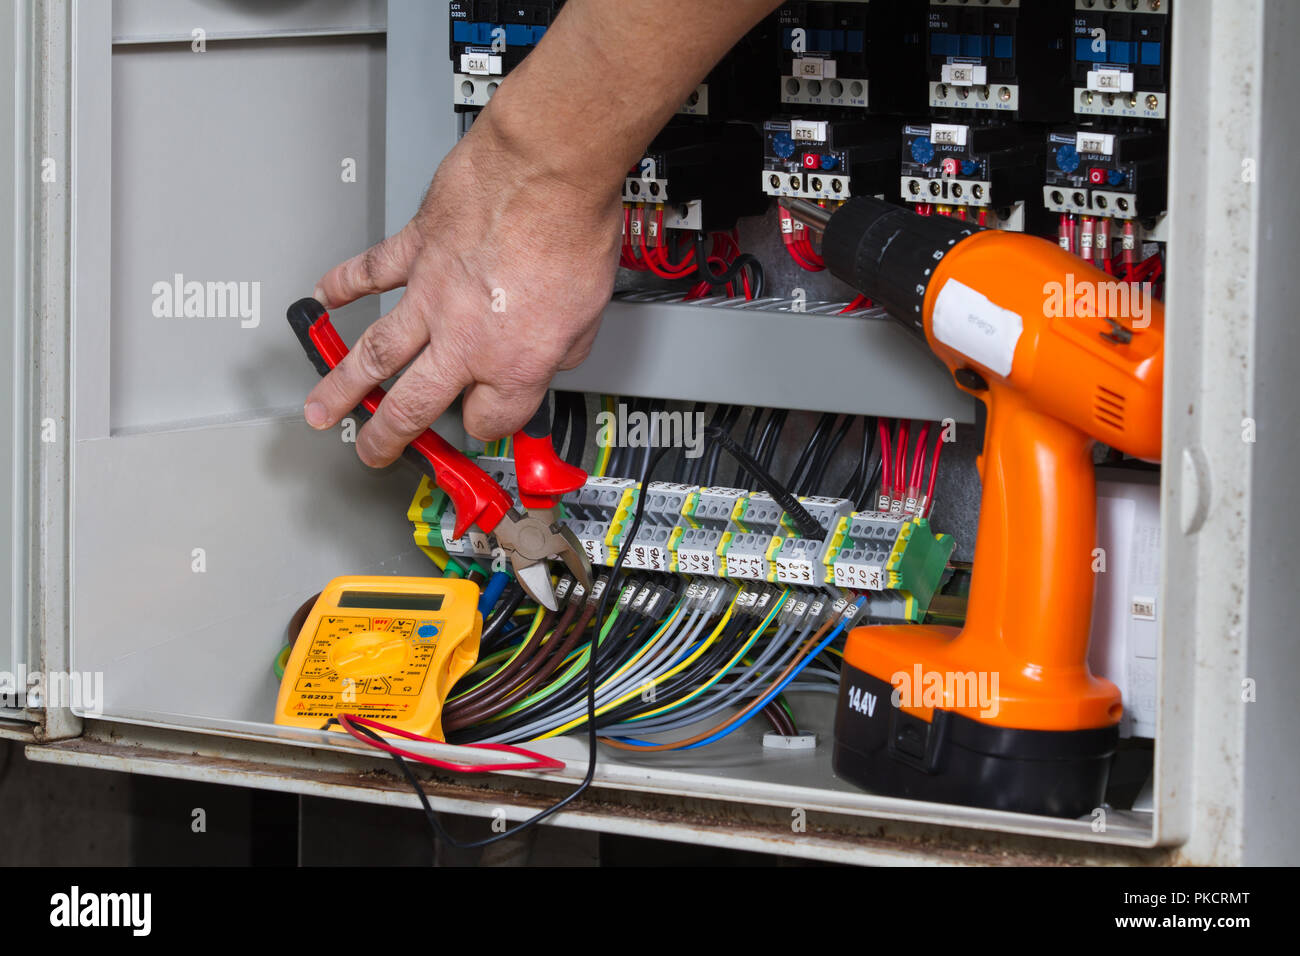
[(919, 559)]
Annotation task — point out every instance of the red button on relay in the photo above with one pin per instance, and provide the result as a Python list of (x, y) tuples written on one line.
[(811, 161), (1097, 176)]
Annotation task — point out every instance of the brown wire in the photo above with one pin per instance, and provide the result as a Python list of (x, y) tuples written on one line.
[(506, 676), (533, 681), (803, 652), (300, 618)]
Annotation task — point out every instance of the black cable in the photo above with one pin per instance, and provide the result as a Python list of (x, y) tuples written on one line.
[(817, 470), (729, 425), (514, 596), (560, 424), (852, 489), (613, 467), (695, 465), (766, 460), (728, 275), (871, 426), (576, 404), (809, 449), (805, 522), (679, 469), (751, 429), (865, 503), (769, 428)]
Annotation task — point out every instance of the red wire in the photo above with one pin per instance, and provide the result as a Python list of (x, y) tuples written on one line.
[(861, 302), (539, 761), (900, 453), (805, 246), (934, 470), (918, 457), (882, 431), (983, 217), (797, 256)]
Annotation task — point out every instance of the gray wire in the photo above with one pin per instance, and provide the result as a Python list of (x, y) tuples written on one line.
[(718, 699), (543, 724)]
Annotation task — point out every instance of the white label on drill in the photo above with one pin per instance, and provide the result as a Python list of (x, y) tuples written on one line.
[(985, 333)]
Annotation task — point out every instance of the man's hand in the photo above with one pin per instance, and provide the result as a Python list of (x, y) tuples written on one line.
[(511, 258), (506, 268)]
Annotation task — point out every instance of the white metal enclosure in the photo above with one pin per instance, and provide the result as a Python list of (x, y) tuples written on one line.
[(179, 442)]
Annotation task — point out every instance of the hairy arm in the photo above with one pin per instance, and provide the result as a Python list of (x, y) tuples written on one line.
[(524, 214)]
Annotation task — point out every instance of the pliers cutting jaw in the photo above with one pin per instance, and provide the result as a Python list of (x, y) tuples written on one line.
[(530, 540)]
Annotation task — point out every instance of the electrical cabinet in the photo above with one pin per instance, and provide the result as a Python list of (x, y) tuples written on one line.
[(166, 526)]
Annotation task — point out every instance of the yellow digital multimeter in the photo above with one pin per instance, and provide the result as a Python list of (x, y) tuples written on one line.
[(386, 648)]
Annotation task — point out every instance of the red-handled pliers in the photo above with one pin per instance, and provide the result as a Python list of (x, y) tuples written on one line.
[(530, 540)]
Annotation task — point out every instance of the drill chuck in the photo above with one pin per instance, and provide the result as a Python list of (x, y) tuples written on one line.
[(886, 252)]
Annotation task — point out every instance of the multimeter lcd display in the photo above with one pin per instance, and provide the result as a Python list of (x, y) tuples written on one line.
[(396, 602)]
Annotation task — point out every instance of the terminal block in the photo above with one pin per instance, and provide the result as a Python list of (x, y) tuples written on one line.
[(651, 549), (829, 159), (875, 551), (690, 176), (985, 164), (591, 512), (1007, 58), (1117, 175), (1119, 58), (731, 533), (851, 54), (489, 38)]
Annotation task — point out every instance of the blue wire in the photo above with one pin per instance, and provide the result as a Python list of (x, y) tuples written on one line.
[(492, 592), (808, 658)]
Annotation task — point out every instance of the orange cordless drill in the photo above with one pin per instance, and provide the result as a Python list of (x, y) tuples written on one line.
[(1004, 712)]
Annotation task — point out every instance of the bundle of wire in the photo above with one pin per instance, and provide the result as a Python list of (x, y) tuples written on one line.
[(654, 662), (723, 266)]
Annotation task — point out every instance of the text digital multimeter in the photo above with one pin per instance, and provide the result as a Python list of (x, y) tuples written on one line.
[(387, 648)]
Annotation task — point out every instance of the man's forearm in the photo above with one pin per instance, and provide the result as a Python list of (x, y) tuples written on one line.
[(606, 78)]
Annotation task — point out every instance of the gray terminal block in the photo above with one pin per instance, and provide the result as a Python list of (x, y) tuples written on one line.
[(502, 471), (591, 534), (827, 512), (761, 513), (874, 528), (746, 555), (697, 551), (714, 506), (598, 499), (801, 561), (664, 502), (649, 550)]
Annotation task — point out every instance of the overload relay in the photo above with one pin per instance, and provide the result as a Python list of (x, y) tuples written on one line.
[(692, 172), (489, 38), (829, 159), (1004, 57), (860, 54), (1094, 172), (1120, 58), (987, 164)]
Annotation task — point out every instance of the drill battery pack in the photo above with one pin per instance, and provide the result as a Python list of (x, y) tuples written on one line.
[(952, 758)]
